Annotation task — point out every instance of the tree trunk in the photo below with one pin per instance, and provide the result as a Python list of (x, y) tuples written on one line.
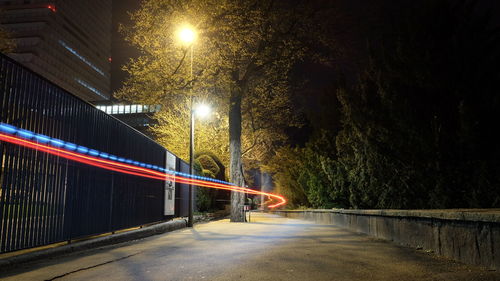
[(237, 198)]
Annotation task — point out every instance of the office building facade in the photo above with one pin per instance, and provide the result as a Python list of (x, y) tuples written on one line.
[(66, 41)]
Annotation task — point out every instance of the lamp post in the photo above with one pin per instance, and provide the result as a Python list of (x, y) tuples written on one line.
[(187, 36), (201, 110), (191, 156)]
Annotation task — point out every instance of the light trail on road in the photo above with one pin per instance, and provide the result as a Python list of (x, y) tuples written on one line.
[(11, 134)]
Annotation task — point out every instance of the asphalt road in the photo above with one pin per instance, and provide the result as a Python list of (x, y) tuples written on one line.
[(268, 248)]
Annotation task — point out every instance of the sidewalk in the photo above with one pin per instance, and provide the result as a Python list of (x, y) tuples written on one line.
[(9, 260), (269, 248)]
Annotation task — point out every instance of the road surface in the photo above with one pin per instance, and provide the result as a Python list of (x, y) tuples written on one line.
[(268, 248)]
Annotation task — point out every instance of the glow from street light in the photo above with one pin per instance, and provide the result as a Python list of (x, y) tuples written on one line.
[(202, 110), (187, 35)]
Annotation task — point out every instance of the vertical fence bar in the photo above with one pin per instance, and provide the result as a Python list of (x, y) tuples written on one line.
[(7, 155), (3, 110), (34, 225), (29, 179), (14, 208), (53, 160), (22, 175)]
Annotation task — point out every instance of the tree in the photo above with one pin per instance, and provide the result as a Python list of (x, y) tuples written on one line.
[(210, 166), (311, 176), (417, 127), (243, 56), (285, 166), (211, 133)]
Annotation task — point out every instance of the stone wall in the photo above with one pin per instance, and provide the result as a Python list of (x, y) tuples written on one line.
[(469, 236)]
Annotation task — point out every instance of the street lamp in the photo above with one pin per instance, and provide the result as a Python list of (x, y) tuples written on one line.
[(187, 36), (201, 111)]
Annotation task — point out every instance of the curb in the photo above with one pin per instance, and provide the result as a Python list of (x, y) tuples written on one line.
[(469, 215), (470, 236), (93, 243)]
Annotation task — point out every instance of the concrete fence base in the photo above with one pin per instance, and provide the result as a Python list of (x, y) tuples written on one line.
[(468, 236)]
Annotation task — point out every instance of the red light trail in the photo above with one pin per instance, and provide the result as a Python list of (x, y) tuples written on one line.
[(134, 170)]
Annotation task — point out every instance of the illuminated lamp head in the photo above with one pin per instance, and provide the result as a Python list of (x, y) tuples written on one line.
[(202, 110), (187, 35)]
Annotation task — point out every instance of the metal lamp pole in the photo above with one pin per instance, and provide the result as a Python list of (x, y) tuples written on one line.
[(191, 146)]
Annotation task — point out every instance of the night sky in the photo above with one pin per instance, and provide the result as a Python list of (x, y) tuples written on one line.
[(357, 23), (356, 20), (121, 50)]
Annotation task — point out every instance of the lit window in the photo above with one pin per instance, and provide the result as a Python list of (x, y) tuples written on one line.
[(121, 109), (146, 108), (115, 109), (87, 85), (127, 109), (158, 108), (133, 108), (71, 50), (139, 108), (109, 109)]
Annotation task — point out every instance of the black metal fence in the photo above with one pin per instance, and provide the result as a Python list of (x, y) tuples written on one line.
[(45, 198), (182, 192)]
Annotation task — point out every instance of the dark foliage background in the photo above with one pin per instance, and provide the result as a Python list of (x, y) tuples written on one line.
[(417, 127)]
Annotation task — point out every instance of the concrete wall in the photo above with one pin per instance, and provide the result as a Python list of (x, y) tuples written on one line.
[(469, 236)]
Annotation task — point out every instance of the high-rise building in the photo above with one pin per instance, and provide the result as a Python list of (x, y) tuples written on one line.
[(66, 41)]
